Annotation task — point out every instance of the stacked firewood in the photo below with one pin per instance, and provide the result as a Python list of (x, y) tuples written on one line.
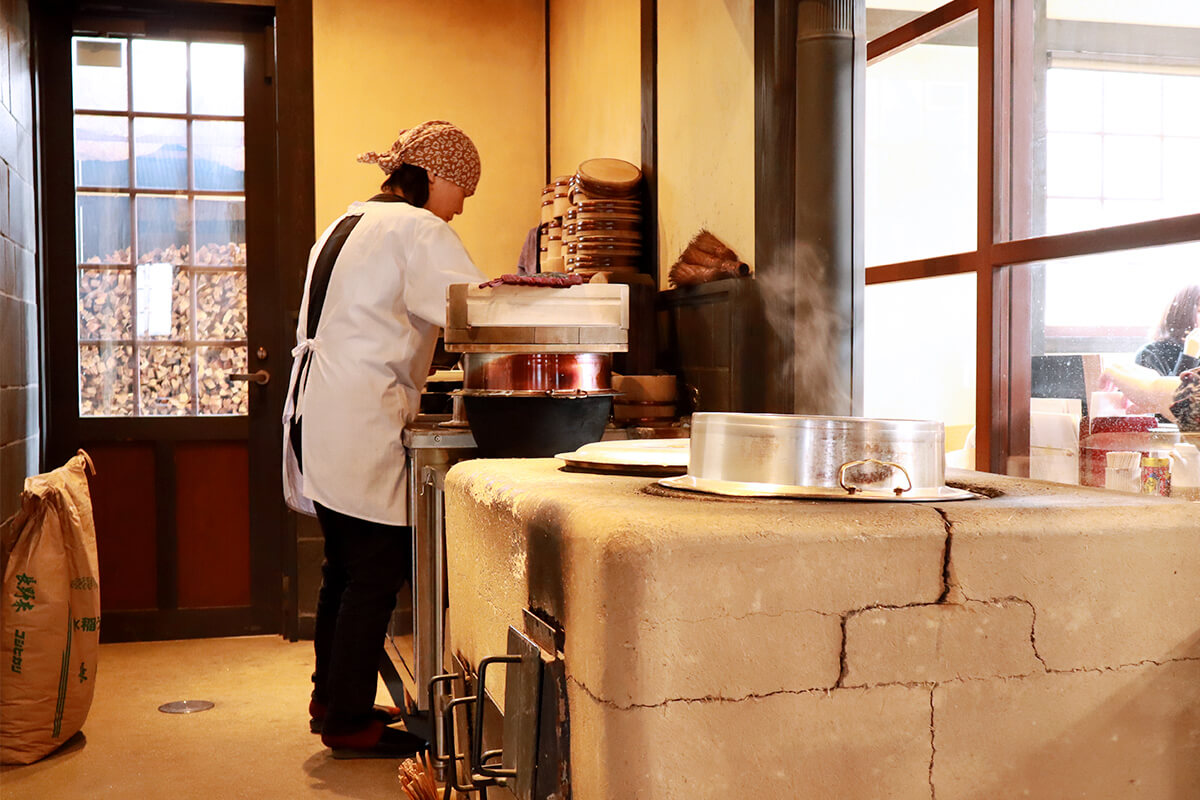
[(705, 259), (105, 380), (105, 305), (166, 380), (229, 254), (217, 394), (221, 306)]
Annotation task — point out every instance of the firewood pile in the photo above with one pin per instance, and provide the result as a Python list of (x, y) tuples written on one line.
[(230, 254), (105, 380), (105, 305), (166, 380), (217, 394), (221, 306)]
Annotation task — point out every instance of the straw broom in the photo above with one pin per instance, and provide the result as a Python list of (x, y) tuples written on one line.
[(705, 259)]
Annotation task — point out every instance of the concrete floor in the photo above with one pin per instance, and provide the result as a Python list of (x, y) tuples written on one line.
[(253, 744)]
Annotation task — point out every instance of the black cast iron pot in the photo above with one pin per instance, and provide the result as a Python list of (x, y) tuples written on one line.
[(537, 426)]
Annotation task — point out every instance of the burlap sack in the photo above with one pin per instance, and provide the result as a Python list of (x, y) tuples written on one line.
[(50, 620)]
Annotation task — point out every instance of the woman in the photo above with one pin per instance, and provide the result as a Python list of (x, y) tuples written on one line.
[(1176, 346), (374, 299)]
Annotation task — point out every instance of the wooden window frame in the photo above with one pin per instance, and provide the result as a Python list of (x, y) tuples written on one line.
[(1002, 338)]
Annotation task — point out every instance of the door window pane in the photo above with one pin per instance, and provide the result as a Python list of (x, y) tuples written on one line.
[(164, 302), (217, 77), (218, 394), (221, 306), (102, 228), (106, 380), (161, 153), (99, 80), (163, 227), (160, 76), (165, 376), (921, 149), (220, 156), (105, 304), (220, 233), (920, 364), (1106, 108), (102, 151)]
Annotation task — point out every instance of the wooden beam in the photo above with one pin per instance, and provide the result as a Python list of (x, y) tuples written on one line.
[(919, 29)]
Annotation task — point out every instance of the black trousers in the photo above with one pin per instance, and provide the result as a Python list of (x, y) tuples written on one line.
[(366, 564)]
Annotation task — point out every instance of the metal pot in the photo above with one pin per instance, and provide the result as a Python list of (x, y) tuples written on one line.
[(533, 426), (809, 456), (537, 373)]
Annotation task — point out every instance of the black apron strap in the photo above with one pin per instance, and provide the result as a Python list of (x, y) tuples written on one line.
[(318, 287)]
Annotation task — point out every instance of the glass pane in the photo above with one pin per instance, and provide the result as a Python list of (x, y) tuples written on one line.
[(221, 306), (218, 78), (1126, 313), (105, 380), (166, 380), (105, 304), (1106, 109), (159, 76), (218, 394), (220, 156), (102, 224), (221, 233), (164, 302), (98, 78), (163, 227), (1181, 13), (921, 149), (160, 153), (887, 15), (921, 365), (101, 151)]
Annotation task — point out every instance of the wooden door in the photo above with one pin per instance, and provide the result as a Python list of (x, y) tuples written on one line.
[(159, 165)]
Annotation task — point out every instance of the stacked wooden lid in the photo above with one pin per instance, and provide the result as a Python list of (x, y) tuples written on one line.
[(595, 224)]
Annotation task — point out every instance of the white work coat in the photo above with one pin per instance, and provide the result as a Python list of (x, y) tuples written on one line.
[(369, 357)]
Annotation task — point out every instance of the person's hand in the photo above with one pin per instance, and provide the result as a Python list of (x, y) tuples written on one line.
[(1146, 389)]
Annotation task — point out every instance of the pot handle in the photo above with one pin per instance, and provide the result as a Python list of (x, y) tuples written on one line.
[(853, 489)]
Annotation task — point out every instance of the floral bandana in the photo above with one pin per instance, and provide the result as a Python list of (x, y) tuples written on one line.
[(1186, 404), (438, 147)]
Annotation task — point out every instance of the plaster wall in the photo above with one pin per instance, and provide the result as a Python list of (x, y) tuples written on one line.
[(595, 82), (383, 65), (20, 389), (1044, 642), (705, 125)]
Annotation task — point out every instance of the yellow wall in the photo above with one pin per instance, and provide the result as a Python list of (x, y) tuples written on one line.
[(595, 82), (705, 125), (383, 65)]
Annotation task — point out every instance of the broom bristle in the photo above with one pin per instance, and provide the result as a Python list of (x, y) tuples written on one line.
[(708, 243)]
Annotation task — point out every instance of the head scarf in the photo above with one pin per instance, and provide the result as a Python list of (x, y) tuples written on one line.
[(437, 146)]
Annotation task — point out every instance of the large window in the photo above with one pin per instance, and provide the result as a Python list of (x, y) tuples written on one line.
[(1071, 200), (160, 215)]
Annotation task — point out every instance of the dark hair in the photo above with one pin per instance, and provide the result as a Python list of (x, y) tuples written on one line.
[(1180, 317), (411, 181)]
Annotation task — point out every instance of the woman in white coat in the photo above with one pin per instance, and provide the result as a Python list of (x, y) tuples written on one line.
[(374, 299)]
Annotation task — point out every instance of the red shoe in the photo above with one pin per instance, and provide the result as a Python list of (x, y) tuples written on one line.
[(388, 715), (375, 741)]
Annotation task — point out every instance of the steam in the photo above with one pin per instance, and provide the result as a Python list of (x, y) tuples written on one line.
[(801, 312)]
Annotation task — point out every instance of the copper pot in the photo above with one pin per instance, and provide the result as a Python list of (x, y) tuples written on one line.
[(537, 373)]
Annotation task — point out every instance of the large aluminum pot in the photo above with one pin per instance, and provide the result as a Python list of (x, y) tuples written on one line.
[(792, 455)]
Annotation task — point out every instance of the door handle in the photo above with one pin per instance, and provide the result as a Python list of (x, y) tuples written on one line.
[(261, 377)]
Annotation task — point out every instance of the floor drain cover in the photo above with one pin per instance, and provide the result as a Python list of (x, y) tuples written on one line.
[(185, 706)]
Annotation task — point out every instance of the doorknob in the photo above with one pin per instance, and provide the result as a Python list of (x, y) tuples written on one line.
[(261, 377)]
